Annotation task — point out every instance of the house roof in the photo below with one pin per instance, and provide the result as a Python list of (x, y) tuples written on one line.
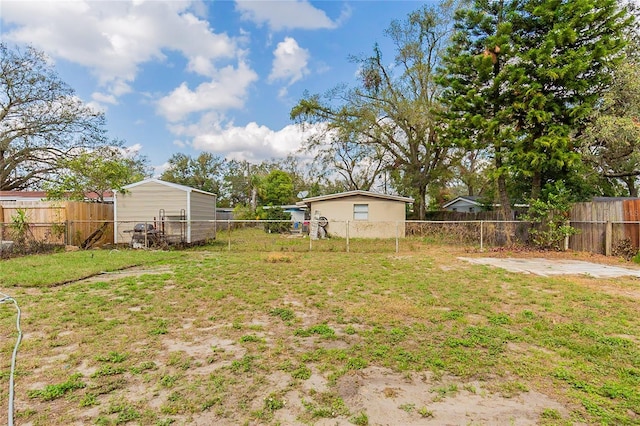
[(469, 199), (169, 184), (354, 193), (42, 195), (285, 207)]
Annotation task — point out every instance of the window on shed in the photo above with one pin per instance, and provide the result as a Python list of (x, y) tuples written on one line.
[(361, 211)]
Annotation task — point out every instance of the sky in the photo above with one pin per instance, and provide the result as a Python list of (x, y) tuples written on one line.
[(202, 76)]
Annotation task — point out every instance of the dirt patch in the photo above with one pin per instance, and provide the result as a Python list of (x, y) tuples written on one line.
[(126, 273), (390, 398)]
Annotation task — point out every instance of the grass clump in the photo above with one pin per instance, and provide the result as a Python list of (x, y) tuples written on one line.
[(113, 357), (325, 405), (302, 373), (360, 420), (284, 314), (321, 329), (108, 370), (51, 392)]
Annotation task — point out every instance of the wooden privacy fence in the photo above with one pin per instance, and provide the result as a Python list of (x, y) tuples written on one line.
[(602, 225), (62, 222)]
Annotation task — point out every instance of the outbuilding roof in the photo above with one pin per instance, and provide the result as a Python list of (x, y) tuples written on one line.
[(169, 184), (353, 193)]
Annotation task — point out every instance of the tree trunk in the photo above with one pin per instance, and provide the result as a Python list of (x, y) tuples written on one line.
[(630, 181), (503, 195), (420, 202), (536, 185)]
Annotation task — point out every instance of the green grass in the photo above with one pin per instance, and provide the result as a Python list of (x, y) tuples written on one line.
[(51, 392), (232, 334), (47, 270)]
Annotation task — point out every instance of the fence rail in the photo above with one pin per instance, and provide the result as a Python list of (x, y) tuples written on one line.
[(598, 236)]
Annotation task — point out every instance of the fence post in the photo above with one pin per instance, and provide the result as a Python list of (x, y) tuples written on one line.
[(397, 237), (229, 233), (481, 235), (347, 236), (566, 237), (310, 238), (608, 238)]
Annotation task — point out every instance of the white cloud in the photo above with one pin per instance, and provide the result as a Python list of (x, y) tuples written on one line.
[(283, 92), (252, 142), (132, 150), (114, 38), (158, 170), (289, 62), (226, 90), (290, 14), (104, 98)]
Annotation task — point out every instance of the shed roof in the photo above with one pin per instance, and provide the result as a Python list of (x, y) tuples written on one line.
[(351, 194), (169, 184)]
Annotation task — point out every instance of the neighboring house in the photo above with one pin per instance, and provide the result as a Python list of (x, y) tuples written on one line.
[(179, 213), (297, 213), (22, 196), (362, 214), (464, 204), (224, 213)]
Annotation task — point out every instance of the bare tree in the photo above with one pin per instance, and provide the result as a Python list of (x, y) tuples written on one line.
[(41, 121), (392, 114)]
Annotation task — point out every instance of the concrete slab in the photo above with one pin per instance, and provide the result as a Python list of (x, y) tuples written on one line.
[(548, 267)]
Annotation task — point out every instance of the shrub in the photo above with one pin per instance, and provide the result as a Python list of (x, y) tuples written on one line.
[(283, 218), (549, 217)]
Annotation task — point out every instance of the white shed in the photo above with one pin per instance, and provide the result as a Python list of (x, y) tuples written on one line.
[(178, 213)]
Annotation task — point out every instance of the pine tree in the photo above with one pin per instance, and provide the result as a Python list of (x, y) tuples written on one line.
[(523, 76), (476, 72)]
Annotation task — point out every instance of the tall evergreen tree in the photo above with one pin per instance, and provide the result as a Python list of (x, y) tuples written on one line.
[(567, 51), (477, 68), (523, 76)]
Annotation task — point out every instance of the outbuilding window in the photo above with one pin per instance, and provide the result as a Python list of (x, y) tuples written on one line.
[(361, 212)]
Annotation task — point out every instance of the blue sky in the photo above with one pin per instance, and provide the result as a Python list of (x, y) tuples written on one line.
[(194, 76)]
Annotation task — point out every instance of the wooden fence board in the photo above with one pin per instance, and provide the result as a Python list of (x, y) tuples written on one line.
[(63, 222), (592, 236)]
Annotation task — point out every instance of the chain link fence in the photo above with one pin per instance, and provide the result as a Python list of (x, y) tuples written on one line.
[(617, 238)]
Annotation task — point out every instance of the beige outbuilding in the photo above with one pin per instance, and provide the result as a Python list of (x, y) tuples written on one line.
[(359, 214), (174, 213)]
